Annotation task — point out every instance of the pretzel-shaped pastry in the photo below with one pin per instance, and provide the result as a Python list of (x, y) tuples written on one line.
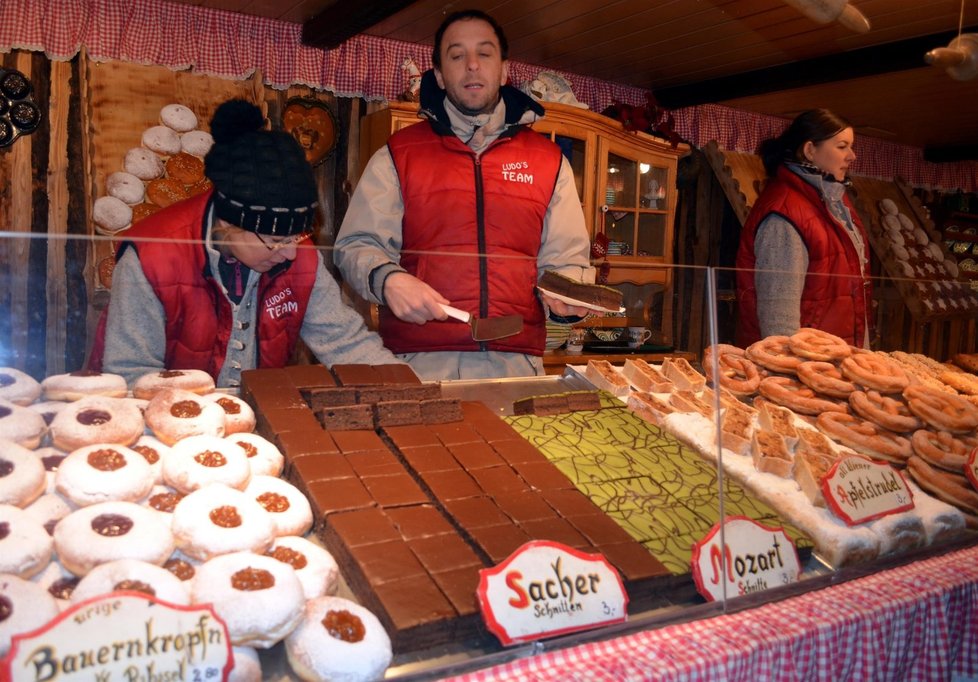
[(774, 353), (796, 396), (815, 344), (888, 412), (737, 374), (876, 372), (943, 411), (865, 437), (940, 449), (952, 488), (825, 378)]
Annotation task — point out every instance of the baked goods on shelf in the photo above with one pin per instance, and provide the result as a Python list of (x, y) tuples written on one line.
[(770, 454), (594, 295), (603, 375)]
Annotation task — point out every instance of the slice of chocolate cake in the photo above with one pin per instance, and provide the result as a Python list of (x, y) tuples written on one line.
[(346, 417), (606, 298)]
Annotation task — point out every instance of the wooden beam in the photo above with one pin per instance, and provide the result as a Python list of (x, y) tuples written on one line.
[(869, 61), (346, 18)]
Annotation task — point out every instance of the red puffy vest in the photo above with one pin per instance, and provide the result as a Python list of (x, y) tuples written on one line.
[(835, 304), (198, 315), (459, 209)]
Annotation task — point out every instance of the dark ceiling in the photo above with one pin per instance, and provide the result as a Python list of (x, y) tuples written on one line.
[(763, 56)]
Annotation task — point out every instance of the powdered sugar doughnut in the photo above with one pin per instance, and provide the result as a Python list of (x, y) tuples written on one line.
[(263, 456), (338, 639), (888, 206), (238, 415), (126, 187), (258, 598), (247, 665), (175, 414), (22, 477), (48, 510), (25, 547), (162, 140), (220, 520), (143, 163), (196, 142), (198, 461), (97, 419), (21, 425), (108, 531), (153, 451), (76, 385), (100, 473), (288, 507), (193, 380), (315, 567), (178, 118), (134, 576), (111, 215), (164, 500), (18, 387), (25, 605)]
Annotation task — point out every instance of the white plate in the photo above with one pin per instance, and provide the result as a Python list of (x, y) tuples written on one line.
[(574, 301)]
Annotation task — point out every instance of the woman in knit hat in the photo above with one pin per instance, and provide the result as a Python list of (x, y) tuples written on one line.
[(228, 280)]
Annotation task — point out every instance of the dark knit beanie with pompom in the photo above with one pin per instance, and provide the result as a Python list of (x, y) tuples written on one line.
[(262, 181)]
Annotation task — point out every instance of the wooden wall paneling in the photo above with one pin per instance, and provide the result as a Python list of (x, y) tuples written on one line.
[(57, 223), (37, 275), (78, 245)]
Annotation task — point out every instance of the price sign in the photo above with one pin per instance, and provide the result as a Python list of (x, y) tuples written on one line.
[(124, 636), (751, 558), (971, 468), (858, 489), (545, 589)]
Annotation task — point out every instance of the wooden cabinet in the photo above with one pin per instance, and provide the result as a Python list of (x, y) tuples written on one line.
[(626, 182)]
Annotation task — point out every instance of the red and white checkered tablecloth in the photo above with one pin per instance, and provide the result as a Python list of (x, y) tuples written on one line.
[(915, 622), (234, 46)]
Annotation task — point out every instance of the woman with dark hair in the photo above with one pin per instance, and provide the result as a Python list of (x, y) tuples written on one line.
[(803, 259)]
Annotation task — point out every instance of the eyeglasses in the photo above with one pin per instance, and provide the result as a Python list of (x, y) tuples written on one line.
[(283, 243)]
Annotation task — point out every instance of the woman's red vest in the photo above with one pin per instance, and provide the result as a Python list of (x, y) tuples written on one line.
[(198, 315), (836, 297), (472, 229)]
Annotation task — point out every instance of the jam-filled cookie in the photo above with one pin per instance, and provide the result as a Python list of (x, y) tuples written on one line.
[(197, 461), (288, 507), (26, 606), (220, 520), (316, 568), (21, 425), (263, 455), (25, 547), (97, 419), (133, 576), (174, 414), (101, 473), (22, 475)]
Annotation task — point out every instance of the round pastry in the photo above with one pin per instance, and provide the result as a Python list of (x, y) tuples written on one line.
[(775, 354), (943, 411), (818, 345), (108, 531), (220, 520), (896, 236), (22, 478), (906, 223), (876, 372), (18, 387), (966, 361), (185, 168), (162, 140), (737, 374), (825, 378), (24, 606), (288, 507), (865, 437), (143, 210), (196, 142), (901, 254), (258, 598), (106, 268), (247, 665), (204, 185), (263, 456), (101, 473), (962, 382), (338, 639), (175, 414), (164, 500), (143, 163), (238, 415), (888, 206), (21, 425), (126, 187), (77, 385), (59, 582), (941, 449), (97, 419), (131, 575), (315, 567), (111, 215), (49, 509), (153, 451), (193, 380), (182, 566), (890, 413), (197, 461), (25, 547), (890, 222), (796, 396), (163, 192), (951, 488), (178, 118)]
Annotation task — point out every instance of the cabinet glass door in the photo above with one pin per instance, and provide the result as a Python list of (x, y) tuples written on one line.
[(637, 206)]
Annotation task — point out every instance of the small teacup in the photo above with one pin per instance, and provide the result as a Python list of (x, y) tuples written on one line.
[(575, 341), (637, 336)]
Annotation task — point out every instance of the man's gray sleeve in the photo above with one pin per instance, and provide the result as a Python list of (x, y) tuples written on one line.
[(781, 266)]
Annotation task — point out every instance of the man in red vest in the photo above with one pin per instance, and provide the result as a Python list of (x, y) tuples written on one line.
[(229, 280), (467, 209)]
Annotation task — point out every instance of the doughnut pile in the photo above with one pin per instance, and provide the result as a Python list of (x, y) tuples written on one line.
[(166, 167)]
